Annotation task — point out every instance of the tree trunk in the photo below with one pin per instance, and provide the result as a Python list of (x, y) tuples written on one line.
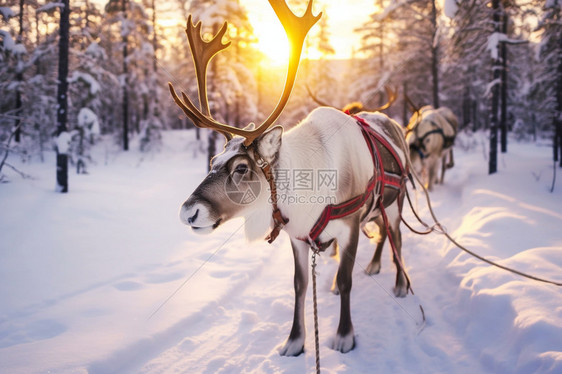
[(62, 112), (154, 40), (493, 161), (435, 56), (19, 79), (503, 114), (558, 114), (125, 83), (466, 107), (405, 119)]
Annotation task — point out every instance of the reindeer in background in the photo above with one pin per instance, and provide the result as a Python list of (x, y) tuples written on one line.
[(430, 135), (367, 153), (356, 106)]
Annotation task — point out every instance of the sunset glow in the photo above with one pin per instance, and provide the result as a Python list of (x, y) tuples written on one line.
[(272, 41), (343, 18)]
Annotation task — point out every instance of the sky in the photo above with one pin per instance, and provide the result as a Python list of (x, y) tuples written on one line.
[(343, 16)]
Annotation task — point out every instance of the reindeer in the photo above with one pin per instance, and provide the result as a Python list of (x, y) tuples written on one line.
[(353, 108), (367, 153), (430, 135)]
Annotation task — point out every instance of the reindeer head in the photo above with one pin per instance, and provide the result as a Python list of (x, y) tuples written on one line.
[(238, 174)]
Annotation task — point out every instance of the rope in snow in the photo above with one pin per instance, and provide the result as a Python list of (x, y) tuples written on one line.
[(438, 227), (194, 273), (315, 304)]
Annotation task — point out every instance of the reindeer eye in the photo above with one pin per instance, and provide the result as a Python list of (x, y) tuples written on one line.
[(241, 169)]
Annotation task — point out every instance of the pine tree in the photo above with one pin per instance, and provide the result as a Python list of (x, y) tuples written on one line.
[(550, 80), (408, 35)]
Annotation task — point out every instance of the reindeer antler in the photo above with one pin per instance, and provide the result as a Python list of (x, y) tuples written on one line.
[(296, 29), (413, 107), (391, 98), (316, 99), (416, 114), (389, 92)]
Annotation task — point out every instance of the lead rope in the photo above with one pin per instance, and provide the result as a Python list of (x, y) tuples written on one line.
[(438, 227), (315, 304)]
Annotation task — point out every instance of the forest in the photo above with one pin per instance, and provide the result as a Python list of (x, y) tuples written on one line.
[(496, 64)]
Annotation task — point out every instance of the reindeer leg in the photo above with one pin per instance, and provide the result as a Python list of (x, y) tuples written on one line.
[(451, 159), (345, 338), (374, 266), (443, 168), (294, 345), (393, 214), (336, 254), (432, 171)]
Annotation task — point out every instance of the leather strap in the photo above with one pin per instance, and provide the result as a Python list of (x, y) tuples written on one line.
[(278, 220)]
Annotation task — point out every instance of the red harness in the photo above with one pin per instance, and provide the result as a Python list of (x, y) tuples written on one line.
[(377, 183), (380, 180)]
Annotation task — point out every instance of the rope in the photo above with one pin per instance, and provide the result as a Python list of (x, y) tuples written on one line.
[(315, 304), (438, 227)]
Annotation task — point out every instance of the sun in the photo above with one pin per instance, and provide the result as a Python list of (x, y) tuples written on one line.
[(272, 42)]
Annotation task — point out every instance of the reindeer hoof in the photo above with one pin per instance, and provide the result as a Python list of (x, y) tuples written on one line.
[(373, 268), (344, 344), (293, 347), (400, 291)]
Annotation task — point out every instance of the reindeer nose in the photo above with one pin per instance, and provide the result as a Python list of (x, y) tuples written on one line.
[(192, 219)]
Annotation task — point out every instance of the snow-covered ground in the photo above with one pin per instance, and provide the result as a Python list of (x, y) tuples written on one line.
[(105, 279)]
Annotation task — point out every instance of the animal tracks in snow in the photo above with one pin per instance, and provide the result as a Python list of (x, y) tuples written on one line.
[(14, 333)]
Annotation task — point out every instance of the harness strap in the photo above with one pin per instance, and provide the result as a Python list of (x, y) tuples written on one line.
[(278, 220), (376, 183), (380, 204), (448, 141)]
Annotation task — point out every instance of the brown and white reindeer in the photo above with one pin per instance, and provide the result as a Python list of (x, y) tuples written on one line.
[(430, 135), (367, 153), (353, 108)]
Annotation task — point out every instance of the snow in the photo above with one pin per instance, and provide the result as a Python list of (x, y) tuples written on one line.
[(19, 49), (88, 120), (50, 6), (95, 50), (7, 12), (88, 79), (105, 279), (450, 8), (494, 41), (8, 43), (62, 142)]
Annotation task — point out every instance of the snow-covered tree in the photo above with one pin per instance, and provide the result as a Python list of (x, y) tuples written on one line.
[(403, 41), (129, 43), (231, 87), (28, 63), (549, 81)]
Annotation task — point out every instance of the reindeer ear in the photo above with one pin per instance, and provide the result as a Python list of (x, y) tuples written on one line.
[(268, 143)]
